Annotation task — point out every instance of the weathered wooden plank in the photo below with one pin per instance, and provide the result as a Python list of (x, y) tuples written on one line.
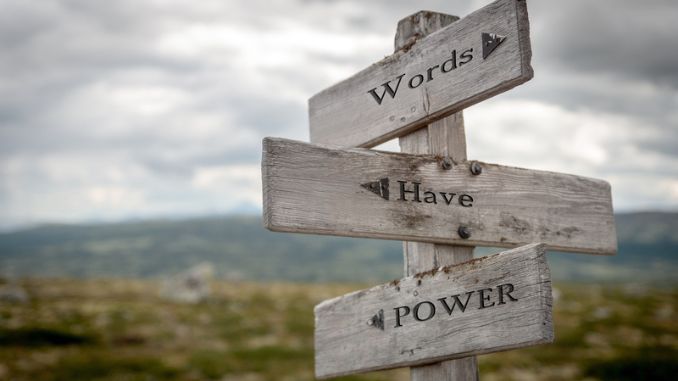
[(489, 304), (477, 57), (358, 192)]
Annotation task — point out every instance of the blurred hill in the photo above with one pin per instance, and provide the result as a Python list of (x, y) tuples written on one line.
[(240, 248)]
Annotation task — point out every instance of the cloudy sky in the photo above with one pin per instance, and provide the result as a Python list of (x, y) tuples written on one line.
[(130, 109)]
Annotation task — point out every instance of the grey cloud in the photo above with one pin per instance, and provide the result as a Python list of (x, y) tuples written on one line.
[(271, 116), (666, 144), (627, 38), (53, 52), (185, 167), (581, 90), (609, 56)]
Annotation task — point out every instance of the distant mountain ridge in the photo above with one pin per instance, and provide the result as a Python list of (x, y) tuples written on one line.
[(240, 248)]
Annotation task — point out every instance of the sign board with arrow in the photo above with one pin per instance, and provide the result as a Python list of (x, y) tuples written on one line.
[(366, 193), (486, 305), (477, 57), (436, 198)]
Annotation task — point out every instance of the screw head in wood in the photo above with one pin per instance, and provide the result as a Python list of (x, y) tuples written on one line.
[(476, 169), (464, 232), (446, 163)]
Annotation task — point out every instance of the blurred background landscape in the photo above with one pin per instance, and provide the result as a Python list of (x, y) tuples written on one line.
[(221, 298), (131, 243), (239, 248)]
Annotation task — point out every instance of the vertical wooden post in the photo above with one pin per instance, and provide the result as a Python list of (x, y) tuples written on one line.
[(445, 137)]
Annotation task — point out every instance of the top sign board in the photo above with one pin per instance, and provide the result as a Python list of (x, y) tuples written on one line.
[(475, 58)]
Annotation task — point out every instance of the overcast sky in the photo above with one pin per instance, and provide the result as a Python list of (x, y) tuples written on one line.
[(131, 109)]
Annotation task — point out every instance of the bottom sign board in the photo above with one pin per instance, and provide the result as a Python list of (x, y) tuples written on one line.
[(489, 304)]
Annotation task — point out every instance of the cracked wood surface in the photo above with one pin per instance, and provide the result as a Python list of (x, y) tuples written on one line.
[(315, 189), (347, 343), (347, 115)]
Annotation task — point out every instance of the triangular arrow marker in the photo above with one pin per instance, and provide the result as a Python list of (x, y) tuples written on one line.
[(379, 187), (377, 321), (490, 42)]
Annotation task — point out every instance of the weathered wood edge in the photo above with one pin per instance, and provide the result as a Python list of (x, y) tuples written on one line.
[(524, 38), (266, 196), (540, 248), (267, 141), (545, 294), (270, 223), (527, 73), (412, 28)]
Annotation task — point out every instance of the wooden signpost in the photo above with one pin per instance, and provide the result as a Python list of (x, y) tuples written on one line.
[(443, 313)]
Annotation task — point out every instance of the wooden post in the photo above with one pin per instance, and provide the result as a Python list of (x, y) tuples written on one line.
[(444, 137)]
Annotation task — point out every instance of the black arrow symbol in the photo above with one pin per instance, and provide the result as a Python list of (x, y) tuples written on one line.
[(379, 187), (490, 42), (377, 320)]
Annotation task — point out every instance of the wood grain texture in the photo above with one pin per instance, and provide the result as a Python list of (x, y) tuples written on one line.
[(425, 256), (347, 340), (315, 189), (418, 25), (347, 115), (445, 137)]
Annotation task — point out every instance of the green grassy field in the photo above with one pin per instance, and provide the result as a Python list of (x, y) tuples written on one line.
[(123, 330)]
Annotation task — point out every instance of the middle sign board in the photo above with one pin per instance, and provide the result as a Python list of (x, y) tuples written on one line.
[(373, 194)]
